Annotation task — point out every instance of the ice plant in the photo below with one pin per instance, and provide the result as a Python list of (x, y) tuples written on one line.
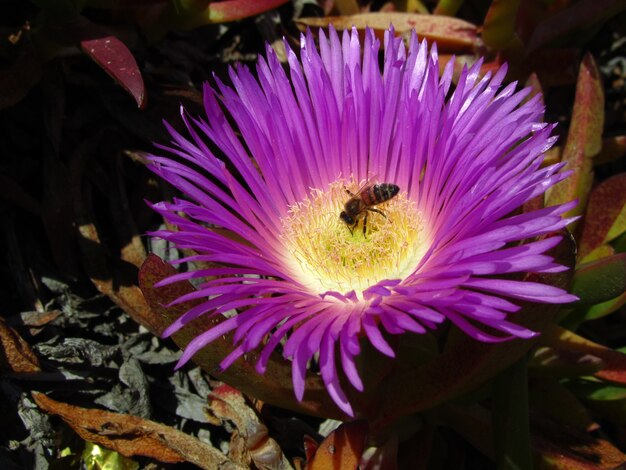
[(266, 174)]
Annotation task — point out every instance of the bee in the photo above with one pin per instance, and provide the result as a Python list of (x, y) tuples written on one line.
[(361, 203)]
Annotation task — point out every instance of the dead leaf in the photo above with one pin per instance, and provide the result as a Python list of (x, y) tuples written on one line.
[(130, 435), (274, 387), (227, 403), (16, 355), (499, 25)]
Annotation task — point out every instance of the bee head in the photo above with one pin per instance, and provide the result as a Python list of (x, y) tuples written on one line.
[(346, 218)]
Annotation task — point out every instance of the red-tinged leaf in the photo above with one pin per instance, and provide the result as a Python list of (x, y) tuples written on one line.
[(613, 148), (342, 449), (614, 369), (601, 280), (588, 113), (465, 364), (473, 423), (160, 17), (584, 139), (20, 75), (499, 25), (130, 435), (114, 58), (605, 218), (418, 452), (560, 447), (451, 34), (13, 192), (310, 447), (274, 387), (534, 84), (231, 10), (582, 15), (529, 14), (555, 67), (551, 398)]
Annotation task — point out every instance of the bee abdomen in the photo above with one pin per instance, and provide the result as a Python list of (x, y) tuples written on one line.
[(382, 192)]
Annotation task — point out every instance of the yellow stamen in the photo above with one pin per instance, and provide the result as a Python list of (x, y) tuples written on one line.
[(326, 256)]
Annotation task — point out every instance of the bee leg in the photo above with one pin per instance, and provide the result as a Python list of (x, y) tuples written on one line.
[(378, 211), (365, 226), (350, 193)]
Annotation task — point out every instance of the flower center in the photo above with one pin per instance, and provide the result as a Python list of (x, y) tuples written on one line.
[(330, 255)]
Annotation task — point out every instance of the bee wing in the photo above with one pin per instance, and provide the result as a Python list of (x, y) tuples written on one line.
[(364, 185)]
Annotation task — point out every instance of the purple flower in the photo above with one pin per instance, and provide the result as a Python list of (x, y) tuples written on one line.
[(271, 167)]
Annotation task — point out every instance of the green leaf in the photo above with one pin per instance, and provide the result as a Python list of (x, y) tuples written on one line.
[(551, 398), (447, 7), (499, 24), (603, 251), (619, 244), (614, 368), (559, 362), (598, 391), (601, 280), (605, 308), (510, 419)]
